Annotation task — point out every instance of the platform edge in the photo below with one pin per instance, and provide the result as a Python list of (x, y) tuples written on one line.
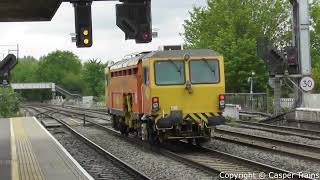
[(66, 152)]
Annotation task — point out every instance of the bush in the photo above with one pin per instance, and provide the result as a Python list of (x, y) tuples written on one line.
[(9, 102)]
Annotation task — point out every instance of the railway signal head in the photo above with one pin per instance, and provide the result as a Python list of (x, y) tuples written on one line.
[(6, 65), (134, 19), (83, 24), (292, 60), (273, 58), (144, 34)]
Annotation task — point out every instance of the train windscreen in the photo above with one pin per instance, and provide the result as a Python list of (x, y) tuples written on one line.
[(169, 72), (204, 71)]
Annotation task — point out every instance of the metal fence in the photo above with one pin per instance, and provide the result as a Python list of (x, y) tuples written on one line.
[(255, 102), (287, 103)]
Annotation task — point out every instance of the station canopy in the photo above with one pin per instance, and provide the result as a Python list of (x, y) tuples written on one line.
[(28, 10)]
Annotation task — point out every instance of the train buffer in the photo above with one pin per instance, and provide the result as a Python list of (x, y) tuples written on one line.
[(28, 151)]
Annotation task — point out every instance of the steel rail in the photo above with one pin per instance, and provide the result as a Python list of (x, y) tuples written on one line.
[(97, 110), (220, 162), (303, 121), (285, 130), (256, 113), (137, 174), (226, 163), (301, 151), (74, 112), (276, 118), (93, 110)]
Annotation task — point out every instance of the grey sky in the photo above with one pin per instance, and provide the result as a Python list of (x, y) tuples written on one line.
[(39, 38)]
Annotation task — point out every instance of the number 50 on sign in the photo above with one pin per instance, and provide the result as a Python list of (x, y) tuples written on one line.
[(307, 84)]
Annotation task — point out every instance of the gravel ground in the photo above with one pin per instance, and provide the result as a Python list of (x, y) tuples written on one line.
[(95, 164), (290, 138), (265, 157), (154, 165)]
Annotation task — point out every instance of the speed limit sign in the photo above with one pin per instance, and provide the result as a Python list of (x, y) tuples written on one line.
[(307, 84)]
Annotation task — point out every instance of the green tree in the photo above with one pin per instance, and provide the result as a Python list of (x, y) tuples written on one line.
[(60, 67), (25, 71), (93, 76), (231, 28), (73, 83), (9, 102), (315, 43)]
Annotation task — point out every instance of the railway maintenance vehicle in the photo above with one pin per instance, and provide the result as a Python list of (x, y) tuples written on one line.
[(167, 94)]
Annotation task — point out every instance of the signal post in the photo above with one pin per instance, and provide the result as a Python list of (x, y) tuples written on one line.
[(294, 62)]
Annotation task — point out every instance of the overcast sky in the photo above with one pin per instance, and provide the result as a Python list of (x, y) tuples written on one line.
[(40, 38)]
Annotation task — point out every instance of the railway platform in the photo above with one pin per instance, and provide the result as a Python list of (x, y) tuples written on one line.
[(29, 152)]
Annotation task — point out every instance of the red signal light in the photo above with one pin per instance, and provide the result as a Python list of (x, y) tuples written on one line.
[(292, 59), (146, 36)]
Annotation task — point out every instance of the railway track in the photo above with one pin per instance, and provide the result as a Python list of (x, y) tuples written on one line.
[(303, 124), (283, 130), (128, 171), (93, 110), (102, 117), (298, 150), (102, 111), (208, 160), (223, 163)]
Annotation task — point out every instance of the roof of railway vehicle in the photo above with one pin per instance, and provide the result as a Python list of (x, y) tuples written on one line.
[(162, 54)]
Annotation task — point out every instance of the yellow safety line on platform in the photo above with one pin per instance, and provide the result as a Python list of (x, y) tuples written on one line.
[(27, 162), (14, 158)]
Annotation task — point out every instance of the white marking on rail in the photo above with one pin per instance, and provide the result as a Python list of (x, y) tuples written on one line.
[(77, 122)]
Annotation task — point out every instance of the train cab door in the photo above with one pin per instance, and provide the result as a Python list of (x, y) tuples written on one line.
[(146, 91)]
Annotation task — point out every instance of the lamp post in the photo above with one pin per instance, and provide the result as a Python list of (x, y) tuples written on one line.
[(251, 87), (250, 79), (251, 84)]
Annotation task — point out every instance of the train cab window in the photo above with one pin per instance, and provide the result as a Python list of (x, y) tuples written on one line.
[(135, 71), (170, 72), (145, 75), (204, 71)]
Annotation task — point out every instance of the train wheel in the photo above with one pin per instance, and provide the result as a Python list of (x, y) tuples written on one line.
[(199, 141), (190, 141), (123, 128), (144, 132), (114, 122), (152, 138), (161, 139)]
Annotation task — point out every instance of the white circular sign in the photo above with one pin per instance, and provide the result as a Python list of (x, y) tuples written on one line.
[(307, 84)]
